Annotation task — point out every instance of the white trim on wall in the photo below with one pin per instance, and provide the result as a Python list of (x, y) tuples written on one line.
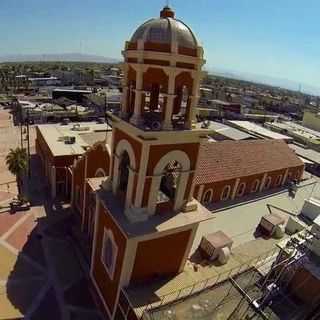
[(227, 196), (108, 235), (183, 159), (205, 195), (241, 189), (268, 182), (279, 180), (122, 146), (255, 186)]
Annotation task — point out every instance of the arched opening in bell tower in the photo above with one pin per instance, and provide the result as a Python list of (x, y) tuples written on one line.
[(168, 185), (169, 182), (123, 174)]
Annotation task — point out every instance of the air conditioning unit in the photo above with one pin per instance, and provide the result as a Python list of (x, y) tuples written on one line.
[(70, 140)]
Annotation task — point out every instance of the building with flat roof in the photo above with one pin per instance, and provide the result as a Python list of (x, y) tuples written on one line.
[(298, 132), (220, 131), (59, 145), (72, 94), (311, 119), (258, 130)]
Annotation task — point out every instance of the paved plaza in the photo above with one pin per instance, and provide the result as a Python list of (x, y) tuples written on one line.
[(41, 274)]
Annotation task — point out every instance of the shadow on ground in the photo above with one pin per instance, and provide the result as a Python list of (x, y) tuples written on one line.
[(48, 279)]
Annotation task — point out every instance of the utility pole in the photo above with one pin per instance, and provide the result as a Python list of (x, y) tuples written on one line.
[(28, 145), (105, 105), (20, 116)]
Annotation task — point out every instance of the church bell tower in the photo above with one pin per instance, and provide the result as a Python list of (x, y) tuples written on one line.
[(155, 145)]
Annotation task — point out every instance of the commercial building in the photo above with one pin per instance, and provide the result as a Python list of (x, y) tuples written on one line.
[(72, 94), (310, 157), (44, 82), (299, 133), (59, 145), (311, 119), (258, 130), (220, 131)]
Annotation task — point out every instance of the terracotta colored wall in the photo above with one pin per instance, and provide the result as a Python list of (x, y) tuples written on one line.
[(108, 287), (98, 157), (249, 181), (218, 187), (136, 145), (152, 259), (155, 75), (185, 65), (158, 151), (304, 286), (156, 62), (78, 181)]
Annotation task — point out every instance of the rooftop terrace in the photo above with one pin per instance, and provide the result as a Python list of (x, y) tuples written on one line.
[(239, 221), (85, 133)]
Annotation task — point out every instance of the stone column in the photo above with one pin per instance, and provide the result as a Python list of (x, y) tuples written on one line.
[(167, 124), (124, 97), (263, 182), (124, 101), (235, 188), (136, 118), (194, 100), (285, 177)]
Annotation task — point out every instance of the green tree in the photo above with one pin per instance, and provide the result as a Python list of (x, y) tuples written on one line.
[(17, 163)]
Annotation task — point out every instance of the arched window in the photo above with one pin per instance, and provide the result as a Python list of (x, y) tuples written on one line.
[(255, 185), (267, 184), (109, 252), (241, 189), (225, 194), (124, 172), (207, 197), (279, 179), (170, 176)]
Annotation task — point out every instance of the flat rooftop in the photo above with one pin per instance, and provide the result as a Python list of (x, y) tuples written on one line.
[(85, 133), (239, 221), (296, 129), (306, 153), (255, 129), (72, 90), (227, 131)]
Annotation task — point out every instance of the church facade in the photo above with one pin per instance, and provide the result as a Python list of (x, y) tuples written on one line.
[(140, 200)]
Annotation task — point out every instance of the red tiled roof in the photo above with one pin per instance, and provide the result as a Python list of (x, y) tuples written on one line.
[(219, 161)]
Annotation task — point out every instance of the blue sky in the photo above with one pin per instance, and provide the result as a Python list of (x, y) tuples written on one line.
[(276, 38)]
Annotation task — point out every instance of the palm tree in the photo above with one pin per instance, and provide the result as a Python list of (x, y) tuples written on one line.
[(17, 163)]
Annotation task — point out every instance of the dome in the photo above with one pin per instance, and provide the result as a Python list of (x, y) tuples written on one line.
[(164, 30)]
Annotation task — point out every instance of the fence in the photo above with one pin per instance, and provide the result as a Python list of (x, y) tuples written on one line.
[(146, 311)]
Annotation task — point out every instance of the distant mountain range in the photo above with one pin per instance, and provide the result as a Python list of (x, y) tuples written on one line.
[(268, 80), (79, 57), (68, 57)]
